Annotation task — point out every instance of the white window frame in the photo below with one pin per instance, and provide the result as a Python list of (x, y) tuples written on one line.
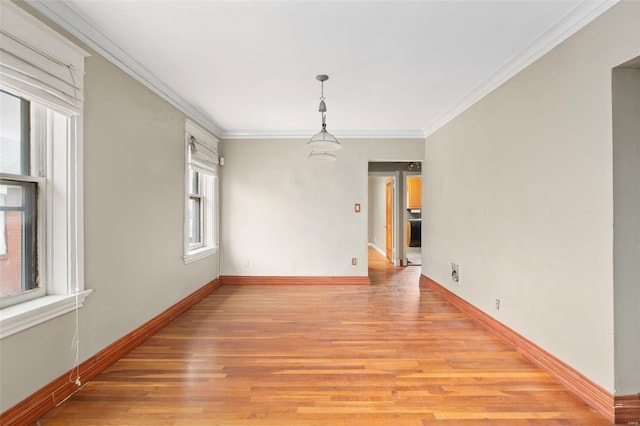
[(3, 237), (200, 194), (33, 176), (208, 175), (60, 179)]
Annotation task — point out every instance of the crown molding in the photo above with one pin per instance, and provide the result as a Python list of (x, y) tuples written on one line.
[(573, 21), (306, 134), (70, 20)]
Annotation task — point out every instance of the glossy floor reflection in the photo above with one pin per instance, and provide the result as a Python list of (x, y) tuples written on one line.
[(392, 353)]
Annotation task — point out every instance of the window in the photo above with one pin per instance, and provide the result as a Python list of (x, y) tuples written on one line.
[(18, 206), (18, 202), (41, 246), (196, 209), (201, 193)]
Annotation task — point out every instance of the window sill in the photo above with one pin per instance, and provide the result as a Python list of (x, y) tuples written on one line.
[(198, 254), (17, 318)]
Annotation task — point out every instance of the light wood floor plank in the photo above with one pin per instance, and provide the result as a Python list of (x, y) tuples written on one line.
[(392, 353)]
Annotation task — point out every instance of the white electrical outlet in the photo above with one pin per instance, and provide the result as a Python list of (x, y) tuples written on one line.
[(246, 263), (497, 304), (455, 272)]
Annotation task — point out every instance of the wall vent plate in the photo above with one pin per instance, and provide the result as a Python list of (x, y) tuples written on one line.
[(455, 272)]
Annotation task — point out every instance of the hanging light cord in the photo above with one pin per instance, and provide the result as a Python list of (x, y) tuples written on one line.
[(323, 110), (75, 342)]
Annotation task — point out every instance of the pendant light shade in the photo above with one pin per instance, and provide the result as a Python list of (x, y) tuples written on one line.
[(322, 156), (323, 142)]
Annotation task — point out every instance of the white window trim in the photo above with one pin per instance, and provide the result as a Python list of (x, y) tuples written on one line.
[(210, 243), (20, 317), (65, 291), (58, 292)]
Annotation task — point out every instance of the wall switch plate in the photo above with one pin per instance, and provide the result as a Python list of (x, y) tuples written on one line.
[(354, 260), (455, 272), (357, 208)]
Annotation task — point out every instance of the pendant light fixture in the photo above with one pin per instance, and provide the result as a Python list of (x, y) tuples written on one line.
[(323, 142)]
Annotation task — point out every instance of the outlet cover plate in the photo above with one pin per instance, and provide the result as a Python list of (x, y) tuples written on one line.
[(455, 272)]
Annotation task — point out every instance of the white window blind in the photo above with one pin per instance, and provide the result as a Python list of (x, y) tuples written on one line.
[(202, 148), (203, 153), (51, 73)]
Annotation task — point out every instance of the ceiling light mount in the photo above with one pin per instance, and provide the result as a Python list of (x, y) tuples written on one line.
[(323, 142)]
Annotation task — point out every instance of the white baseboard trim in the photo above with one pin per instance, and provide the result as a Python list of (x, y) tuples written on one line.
[(377, 249)]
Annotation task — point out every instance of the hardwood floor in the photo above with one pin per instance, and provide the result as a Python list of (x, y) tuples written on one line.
[(387, 354)]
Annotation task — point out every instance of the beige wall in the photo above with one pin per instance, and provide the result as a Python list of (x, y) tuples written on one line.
[(134, 211), (519, 193), (287, 215)]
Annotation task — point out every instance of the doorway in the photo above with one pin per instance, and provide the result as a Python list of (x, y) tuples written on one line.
[(394, 220), (626, 226), (382, 215)]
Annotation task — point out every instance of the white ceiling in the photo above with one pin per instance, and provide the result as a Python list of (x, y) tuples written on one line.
[(397, 68)]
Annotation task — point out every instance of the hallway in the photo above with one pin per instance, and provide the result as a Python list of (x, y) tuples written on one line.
[(387, 354)]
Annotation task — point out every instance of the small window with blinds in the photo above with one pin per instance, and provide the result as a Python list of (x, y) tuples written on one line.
[(201, 192)]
